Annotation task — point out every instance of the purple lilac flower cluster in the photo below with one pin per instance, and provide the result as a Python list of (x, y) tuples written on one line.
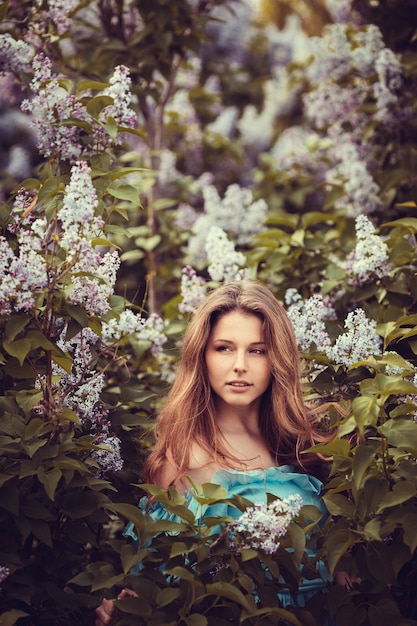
[(4, 573), (52, 104), (262, 526), (80, 391), (24, 273), (59, 13)]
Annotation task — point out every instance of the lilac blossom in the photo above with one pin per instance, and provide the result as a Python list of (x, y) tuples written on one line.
[(308, 320), (193, 290), (389, 83), (119, 89), (108, 456), (93, 291), (51, 105), (80, 391), (359, 191), (223, 259), (4, 573), (77, 214), (358, 343), (238, 214), (15, 56), (369, 258), (59, 13), (150, 330), (23, 274), (262, 526)]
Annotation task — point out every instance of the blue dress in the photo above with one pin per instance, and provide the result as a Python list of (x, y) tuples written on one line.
[(253, 485)]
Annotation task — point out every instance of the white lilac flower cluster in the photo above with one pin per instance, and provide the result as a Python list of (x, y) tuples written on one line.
[(149, 330), (262, 526), (369, 258), (193, 290), (358, 342), (93, 274), (238, 214), (120, 90), (308, 318), (224, 261), (51, 104)]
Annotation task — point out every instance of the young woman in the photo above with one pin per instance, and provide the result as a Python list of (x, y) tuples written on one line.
[(235, 415)]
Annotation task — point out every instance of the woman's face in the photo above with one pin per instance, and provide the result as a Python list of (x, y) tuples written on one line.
[(237, 361)]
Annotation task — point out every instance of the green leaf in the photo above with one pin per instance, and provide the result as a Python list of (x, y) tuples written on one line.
[(401, 433), (69, 415), (401, 492), (50, 480), (338, 504), (363, 457), (96, 104), (111, 127), (125, 192), (15, 325), (184, 574), (196, 619), (337, 545), (9, 618), (167, 596), (365, 412), (86, 85), (226, 590), (18, 348)]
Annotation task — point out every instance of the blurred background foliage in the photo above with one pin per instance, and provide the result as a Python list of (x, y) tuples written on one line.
[(284, 122)]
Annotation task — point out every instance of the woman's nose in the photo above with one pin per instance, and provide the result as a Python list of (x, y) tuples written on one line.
[(240, 363)]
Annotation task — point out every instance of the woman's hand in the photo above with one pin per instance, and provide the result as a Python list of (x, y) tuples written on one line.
[(107, 611)]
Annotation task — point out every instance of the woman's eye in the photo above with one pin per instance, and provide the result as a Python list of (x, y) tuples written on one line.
[(222, 348), (258, 351)]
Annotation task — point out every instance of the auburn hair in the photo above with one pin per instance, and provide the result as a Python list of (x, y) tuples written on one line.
[(288, 425)]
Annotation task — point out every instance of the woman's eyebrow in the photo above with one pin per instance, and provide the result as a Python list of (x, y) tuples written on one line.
[(254, 343)]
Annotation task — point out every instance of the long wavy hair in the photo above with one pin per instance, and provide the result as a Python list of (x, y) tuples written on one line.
[(287, 424)]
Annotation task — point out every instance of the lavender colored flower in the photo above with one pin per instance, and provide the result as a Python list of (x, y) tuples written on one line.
[(51, 105), (224, 260), (308, 320), (108, 456), (358, 343), (369, 258), (59, 13), (93, 290), (193, 290), (4, 573), (15, 56), (262, 526)]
